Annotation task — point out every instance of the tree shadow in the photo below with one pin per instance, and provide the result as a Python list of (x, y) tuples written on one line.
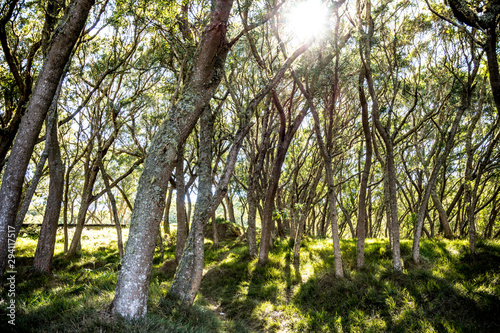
[(377, 299)]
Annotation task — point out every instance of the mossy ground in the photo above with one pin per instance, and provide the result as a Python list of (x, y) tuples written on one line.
[(451, 291)]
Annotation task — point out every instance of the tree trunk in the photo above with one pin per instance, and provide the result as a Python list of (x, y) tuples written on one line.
[(214, 231), (133, 282), (21, 215), (62, 43), (365, 175), (230, 209), (488, 231), (443, 217), (180, 206), (112, 201), (188, 276), (166, 215), (332, 200), (47, 239), (254, 174), (251, 229), (390, 171), (86, 200), (306, 210), (65, 209), (285, 138)]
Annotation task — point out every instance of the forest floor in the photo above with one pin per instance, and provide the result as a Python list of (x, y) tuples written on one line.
[(451, 291)]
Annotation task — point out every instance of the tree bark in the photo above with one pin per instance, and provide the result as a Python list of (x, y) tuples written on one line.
[(365, 175), (112, 201), (182, 222), (47, 239), (90, 179), (332, 200), (306, 210), (21, 215), (133, 282), (58, 54), (390, 171), (443, 217), (166, 215), (215, 234), (188, 275), (230, 209), (285, 138)]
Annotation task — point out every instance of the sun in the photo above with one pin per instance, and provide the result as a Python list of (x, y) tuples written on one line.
[(307, 19)]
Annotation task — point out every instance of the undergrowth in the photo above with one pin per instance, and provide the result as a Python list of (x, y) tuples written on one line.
[(450, 291)]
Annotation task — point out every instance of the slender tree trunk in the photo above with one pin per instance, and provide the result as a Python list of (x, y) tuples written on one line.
[(252, 196), (230, 209), (242, 222), (58, 54), (166, 215), (215, 233), (21, 215), (285, 138), (180, 206), (443, 217), (332, 200), (112, 201), (488, 231), (65, 209), (188, 276), (365, 175), (305, 214), (47, 239), (133, 282), (390, 171), (251, 229), (86, 200)]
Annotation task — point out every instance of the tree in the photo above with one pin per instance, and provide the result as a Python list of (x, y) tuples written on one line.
[(133, 282), (63, 40)]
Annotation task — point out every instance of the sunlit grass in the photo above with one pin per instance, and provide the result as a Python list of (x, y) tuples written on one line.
[(450, 291)]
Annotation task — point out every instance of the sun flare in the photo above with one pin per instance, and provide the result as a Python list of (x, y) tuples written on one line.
[(307, 19)]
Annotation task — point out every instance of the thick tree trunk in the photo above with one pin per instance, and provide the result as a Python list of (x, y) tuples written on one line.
[(62, 43), (47, 239), (133, 282)]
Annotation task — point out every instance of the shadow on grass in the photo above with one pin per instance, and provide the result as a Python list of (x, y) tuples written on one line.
[(376, 299)]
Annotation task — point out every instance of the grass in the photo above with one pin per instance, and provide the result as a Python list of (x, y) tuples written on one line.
[(451, 291)]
